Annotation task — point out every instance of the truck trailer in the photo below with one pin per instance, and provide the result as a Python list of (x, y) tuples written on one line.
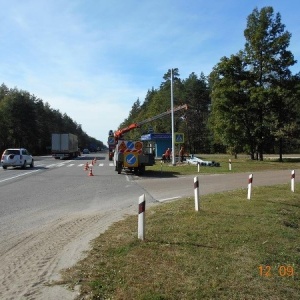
[(64, 145)]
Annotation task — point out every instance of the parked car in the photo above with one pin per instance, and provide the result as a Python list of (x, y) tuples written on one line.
[(16, 157), (85, 151), (194, 160)]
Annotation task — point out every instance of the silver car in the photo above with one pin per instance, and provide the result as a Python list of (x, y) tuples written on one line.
[(16, 157)]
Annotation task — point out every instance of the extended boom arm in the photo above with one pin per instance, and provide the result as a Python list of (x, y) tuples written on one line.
[(132, 126)]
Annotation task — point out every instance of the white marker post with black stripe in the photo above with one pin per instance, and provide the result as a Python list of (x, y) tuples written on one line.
[(250, 180), (141, 219), (196, 192), (293, 181)]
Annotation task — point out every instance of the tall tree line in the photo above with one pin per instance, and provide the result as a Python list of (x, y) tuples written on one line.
[(249, 102), (26, 121), (255, 97)]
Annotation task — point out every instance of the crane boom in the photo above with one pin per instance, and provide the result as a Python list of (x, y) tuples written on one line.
[(163, 114), (132, 126)]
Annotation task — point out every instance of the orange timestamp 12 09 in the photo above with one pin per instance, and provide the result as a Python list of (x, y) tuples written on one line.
[(282, 271)]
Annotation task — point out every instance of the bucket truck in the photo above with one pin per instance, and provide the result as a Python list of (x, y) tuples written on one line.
[(133, 155)]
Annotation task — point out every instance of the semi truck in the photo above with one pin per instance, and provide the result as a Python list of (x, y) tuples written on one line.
[(64, 145)]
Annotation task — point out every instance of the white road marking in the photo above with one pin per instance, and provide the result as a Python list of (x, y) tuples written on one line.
[(168, 199), (50, 166), (23, 174), (71, 165)]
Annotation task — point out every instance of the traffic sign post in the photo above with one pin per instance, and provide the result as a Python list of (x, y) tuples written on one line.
[(111, 140), (179, 138)]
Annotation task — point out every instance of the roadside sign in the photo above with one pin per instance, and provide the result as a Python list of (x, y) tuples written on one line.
[(130, 145), (111, 140), (131, 160), (179, 138)]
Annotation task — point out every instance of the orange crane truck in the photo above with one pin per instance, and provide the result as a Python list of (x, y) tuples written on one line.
[(133, 155)]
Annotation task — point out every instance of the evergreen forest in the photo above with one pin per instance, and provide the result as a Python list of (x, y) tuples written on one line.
[(26, 121)]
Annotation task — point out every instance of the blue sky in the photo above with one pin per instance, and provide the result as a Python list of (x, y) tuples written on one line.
[(92, 59)]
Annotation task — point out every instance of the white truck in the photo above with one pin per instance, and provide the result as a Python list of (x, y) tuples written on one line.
[(64, 145)]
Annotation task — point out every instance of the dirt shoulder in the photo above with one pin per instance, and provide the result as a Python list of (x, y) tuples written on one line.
[(36, 258)]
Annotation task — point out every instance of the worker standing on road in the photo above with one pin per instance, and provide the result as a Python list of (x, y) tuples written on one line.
[(181, 153)]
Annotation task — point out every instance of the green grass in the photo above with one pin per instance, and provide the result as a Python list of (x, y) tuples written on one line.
[(223, 251), (241, 164)]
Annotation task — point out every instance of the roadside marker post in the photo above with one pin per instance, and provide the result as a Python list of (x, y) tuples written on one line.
[(229, 164), (141, 218), (198, 165), (250, 180), (196, 193), (293, 181)]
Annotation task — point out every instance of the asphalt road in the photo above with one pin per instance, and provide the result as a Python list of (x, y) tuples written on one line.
[(49, 214)]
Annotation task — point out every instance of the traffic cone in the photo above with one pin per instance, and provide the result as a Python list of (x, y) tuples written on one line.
[(91, 172), (86, 167)]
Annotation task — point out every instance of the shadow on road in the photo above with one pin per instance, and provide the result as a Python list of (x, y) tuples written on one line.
[(85, 158), (159, 174)]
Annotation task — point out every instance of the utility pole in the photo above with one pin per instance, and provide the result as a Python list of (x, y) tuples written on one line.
[(172, 117)]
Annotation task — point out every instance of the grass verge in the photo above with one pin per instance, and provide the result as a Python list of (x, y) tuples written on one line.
[(241, 164), (232, 248)]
